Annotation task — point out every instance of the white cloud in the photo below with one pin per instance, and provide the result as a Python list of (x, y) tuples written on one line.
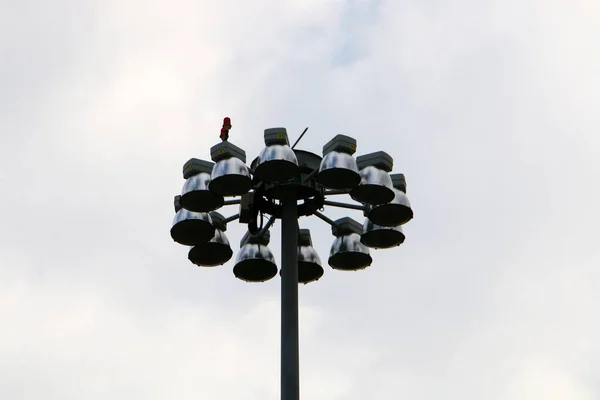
[(488, 107)]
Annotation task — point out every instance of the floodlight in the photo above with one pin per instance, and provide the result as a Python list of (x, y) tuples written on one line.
[(217, 250), (338, 169), (277, 163), (304, 188), (381, 237), (347, 252), (309, 263), (375, 185), (254, 261), (396, 212), (191, 228), (230, 175), (196, 195)]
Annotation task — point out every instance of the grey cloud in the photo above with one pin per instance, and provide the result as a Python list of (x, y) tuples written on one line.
[(491, 296)]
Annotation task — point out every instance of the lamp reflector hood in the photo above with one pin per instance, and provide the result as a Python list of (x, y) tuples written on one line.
[(338, 169), (254, 261), (230, 175), (191, 228), (277, 163), (217, 250), (375, 185), (347, 252), (196, 195), (380, 237)]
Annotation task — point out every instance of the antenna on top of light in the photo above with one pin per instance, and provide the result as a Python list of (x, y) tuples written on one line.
[(301, 135)]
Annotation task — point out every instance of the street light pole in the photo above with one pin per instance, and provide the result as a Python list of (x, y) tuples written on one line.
[(277, 180), (290, 374)]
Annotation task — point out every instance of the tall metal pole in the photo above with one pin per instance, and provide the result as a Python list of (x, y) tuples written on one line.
[(290, 363)]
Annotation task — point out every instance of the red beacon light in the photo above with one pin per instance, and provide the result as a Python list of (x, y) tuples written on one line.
[(225, 129), (224, 134)]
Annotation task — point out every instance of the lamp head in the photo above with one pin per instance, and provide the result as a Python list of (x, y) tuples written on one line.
[(396, 212), (338, 169), (254, 261), (277, 163), (230, 175), (196, 195), (380, 237), (217, 250), (375, 185), (191, 228), (309, 263), (347, 252)]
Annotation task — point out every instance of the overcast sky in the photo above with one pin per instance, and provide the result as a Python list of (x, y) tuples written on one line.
[(490, 108)]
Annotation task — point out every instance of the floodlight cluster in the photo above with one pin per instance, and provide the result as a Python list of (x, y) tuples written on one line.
[(381, 196)]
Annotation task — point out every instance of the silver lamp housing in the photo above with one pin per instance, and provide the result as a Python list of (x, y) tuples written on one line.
[(381, 237), (230, 175), (375, 184), (191, 228), (196, 195), (347, 252), (310, 268), (217, 250), (277, 162), (396, 212), (255, 261), (338, 169), (309, 263)]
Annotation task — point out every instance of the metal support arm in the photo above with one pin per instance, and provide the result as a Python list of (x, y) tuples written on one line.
[(344, 205), (232, 218), (333, 192), (267, 226), (326, 219), (310, 176)]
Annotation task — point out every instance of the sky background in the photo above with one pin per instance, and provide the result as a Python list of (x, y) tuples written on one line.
[(490, 108)]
